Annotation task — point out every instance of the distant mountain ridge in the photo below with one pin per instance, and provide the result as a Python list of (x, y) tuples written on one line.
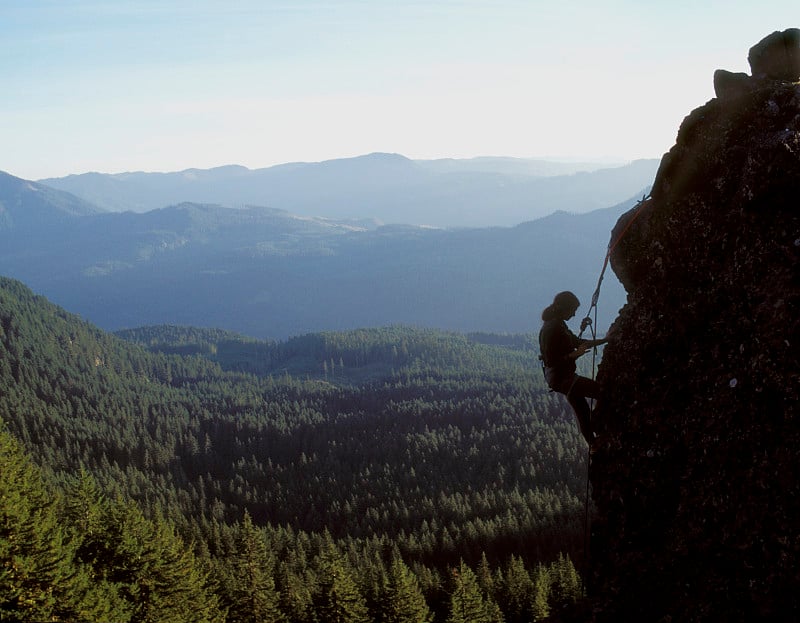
[(268, 273), (389, 188), (27, 203)]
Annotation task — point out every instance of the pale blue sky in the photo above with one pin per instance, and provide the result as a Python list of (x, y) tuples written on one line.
[(166, 85)]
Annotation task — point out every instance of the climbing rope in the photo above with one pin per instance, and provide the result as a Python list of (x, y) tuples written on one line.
[(586, 521), (591, 324), (587, 322)]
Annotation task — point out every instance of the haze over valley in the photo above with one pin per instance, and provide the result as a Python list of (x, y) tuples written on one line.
[(359, 251), (388, 188)]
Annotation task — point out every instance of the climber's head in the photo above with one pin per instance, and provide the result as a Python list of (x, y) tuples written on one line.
[(563, 307)]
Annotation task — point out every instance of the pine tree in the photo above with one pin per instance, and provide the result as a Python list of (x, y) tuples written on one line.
[(540, 608), (83, 505), (467, 604), (338, 599), (567, 587), (84, 509), (32, 543), (373, 578), (404, 601), (254, 598), (180, 586), (295, 594), (484, 575), (493, 612), (516, 591), (40, 577), (151, 568)]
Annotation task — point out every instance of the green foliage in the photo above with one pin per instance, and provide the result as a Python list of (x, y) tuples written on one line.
[(35, 563), (107, 563), (566, 585), (251, 594), (295, 598), (420, 451), (337, 599), (145, 562), (515, 591), (540, 602), (40, 575), (404, 601), (468, 604)]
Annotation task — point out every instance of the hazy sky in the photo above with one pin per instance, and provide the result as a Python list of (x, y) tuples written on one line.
[(166, 85)]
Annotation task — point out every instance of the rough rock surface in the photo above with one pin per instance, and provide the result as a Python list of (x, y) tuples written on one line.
[(777, 56), (696, 475)]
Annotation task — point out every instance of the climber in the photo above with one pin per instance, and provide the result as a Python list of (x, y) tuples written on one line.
[(560, 348)]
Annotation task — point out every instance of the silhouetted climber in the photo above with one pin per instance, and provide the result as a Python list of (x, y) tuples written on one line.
[(560, 348)]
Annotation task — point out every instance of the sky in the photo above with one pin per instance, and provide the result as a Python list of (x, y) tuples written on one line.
[(117, 85)]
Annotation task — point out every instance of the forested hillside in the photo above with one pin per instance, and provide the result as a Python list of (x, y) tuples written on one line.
[(384, 459)]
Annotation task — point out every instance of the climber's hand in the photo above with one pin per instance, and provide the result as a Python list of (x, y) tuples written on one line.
[(581, 349)]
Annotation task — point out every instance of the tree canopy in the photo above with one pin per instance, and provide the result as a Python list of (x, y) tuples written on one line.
[(335, 472)]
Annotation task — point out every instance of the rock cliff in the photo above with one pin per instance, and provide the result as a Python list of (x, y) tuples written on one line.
[(696, 474)]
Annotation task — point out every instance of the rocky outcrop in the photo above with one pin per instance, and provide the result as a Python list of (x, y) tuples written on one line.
[(696, 475), (777, 56)]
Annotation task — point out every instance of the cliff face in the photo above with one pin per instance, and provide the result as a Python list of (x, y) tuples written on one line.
[(696, 476)]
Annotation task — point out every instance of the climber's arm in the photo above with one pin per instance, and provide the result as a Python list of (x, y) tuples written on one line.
[(590, 343), (583, 346)]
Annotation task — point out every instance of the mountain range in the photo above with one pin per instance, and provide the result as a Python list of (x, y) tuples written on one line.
[(268, 273), (28, 205), (390, 188)]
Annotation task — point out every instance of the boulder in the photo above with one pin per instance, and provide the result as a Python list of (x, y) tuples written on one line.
[(777, 56), (728, 84)]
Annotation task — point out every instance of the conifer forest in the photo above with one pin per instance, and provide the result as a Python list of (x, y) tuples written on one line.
[(378, 475)]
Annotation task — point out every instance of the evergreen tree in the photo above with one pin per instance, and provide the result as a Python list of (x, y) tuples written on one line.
[(566, 583), (516, 590), (467, 603), (373, 578), (485, 578), (253, 596), (338, 598), (32, 548), (295, 593), (40, 577), (151, 567), (540, 608), (404, 601), (493, 612)]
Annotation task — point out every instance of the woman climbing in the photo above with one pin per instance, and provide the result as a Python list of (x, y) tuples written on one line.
[(560, 348)]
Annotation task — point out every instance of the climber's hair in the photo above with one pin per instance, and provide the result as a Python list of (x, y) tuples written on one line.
[(562, 302)]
